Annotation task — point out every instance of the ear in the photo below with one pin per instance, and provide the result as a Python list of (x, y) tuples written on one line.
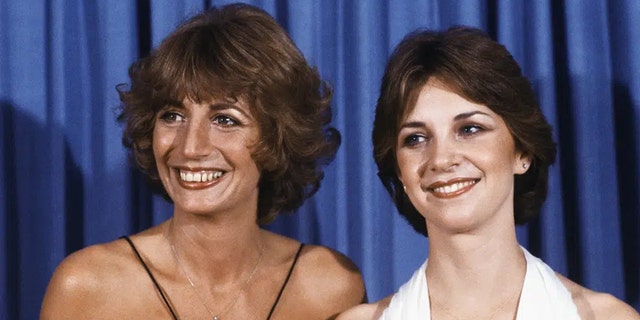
[(522, 163)]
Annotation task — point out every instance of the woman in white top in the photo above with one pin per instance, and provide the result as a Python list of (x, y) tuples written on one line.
[(464, 150)]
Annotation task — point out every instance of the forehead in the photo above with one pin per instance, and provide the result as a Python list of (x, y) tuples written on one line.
[(437, 100)]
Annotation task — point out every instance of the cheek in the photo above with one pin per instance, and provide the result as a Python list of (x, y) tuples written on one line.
[(161, 142), (242, 142), (503, 157), (402, 164), (409, 164)]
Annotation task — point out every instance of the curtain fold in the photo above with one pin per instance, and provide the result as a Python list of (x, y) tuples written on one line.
[(66, 182)]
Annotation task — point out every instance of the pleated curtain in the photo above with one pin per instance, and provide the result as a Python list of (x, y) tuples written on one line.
[(65, 181)]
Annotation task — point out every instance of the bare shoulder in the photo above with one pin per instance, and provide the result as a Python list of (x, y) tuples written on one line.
[(332, 272), (598, 305), (367, 311), (328, 283), (322, 283), (82, 279)]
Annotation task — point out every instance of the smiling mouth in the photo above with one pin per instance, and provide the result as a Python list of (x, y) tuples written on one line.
[(451, 189), (200, 176)]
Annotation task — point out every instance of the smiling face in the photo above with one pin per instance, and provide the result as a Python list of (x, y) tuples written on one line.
[(203, 156), (457, 160)]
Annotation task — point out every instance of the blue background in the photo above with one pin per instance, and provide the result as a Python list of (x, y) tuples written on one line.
[(65, 182)]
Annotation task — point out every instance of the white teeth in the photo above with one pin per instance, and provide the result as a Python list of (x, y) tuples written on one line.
[(202, 176), (453, 187)]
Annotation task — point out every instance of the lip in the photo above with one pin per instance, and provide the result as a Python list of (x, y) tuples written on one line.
[(214, 176), (451, 188)]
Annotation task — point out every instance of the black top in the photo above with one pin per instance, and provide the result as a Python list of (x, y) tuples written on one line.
[(166, 301)]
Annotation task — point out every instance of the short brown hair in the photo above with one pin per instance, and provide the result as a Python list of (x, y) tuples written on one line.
[(238, 52), (481, 70)]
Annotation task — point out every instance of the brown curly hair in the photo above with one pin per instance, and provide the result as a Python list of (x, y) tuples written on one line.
[(481, 70), (238, 52)]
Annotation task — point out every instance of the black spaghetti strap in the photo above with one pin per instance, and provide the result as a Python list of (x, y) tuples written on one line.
[(295, 260), (166, 302)]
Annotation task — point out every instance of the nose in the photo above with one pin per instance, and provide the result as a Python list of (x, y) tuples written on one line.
[(444, 156), (197, 142)]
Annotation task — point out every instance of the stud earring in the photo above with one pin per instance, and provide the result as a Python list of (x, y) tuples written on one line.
[(405, 188), (524, 165)]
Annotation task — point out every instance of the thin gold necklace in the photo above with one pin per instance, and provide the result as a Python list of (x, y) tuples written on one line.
[(201, 297)]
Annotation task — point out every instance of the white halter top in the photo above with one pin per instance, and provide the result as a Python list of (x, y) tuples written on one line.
[(543, 296)]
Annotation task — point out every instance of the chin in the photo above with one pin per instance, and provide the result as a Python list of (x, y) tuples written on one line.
[(453, 221), (197, 208)]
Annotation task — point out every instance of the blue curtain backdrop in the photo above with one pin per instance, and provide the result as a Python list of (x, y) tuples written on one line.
[(65, 182)]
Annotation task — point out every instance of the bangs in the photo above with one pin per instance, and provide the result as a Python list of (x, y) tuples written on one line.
[(200, 67), (411, 86)]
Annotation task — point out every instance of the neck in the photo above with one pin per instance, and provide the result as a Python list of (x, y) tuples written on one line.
[(475, 272), (216, 252)]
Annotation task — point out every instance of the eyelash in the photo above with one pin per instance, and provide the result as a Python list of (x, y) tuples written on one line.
[(476, 129), (466, 131), (413, 140), (225, 121), (171, 117)]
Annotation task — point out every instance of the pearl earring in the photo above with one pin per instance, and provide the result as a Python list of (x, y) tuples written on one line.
[(405, 188), (524, 165)]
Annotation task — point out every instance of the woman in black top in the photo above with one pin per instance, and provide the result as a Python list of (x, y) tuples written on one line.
[(228, 120)]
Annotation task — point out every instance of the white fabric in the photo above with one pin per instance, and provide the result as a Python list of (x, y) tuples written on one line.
[(543, 296)]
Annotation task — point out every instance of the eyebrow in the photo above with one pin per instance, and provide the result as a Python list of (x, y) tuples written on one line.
[(466, 115), (412, 124), (462, 116), (221, 106)]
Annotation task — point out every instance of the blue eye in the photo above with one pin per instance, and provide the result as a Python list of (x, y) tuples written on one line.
[(224, 121)]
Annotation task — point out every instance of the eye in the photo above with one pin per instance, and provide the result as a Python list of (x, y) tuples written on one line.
[(413, 140), (470, 130), (224, 121), (171, 117)]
